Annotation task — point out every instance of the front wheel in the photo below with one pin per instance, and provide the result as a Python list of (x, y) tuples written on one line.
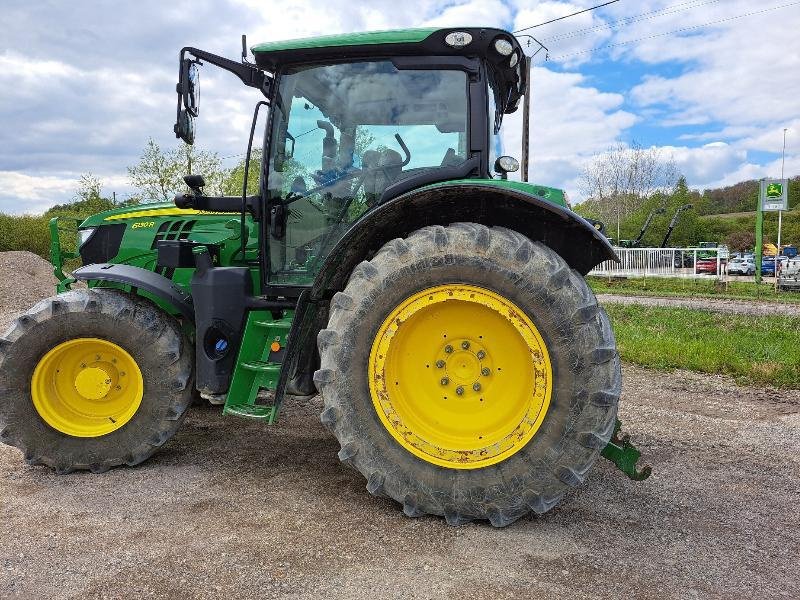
[(468, 372), (92, 379)]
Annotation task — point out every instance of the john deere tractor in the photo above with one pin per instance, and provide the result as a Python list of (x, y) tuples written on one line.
[(387, 263)]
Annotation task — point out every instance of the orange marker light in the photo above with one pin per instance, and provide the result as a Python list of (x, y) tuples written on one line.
[(275, 346)]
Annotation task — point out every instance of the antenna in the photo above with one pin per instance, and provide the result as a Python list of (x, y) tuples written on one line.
[(244, 48)]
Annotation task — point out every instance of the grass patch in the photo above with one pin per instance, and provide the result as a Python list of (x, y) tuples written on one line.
[(687, 287), (753, 349)]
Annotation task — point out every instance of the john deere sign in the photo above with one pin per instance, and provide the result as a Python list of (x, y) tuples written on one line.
[(774, 194)]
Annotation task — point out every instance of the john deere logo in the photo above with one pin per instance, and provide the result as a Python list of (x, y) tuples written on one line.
[(775, 190)]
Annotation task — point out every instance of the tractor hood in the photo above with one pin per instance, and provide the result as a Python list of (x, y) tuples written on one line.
[(140, 211)]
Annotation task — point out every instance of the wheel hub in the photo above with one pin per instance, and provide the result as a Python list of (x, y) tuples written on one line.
[(466, 367), (93, 383)]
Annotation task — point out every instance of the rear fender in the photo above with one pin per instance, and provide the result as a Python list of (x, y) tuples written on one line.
[(578, 242)]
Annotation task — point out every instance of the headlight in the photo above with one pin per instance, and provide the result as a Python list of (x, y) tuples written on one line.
[(509, 164), (85, 234), (514, 60), (503, 46)]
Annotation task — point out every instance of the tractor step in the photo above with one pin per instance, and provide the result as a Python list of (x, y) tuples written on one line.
[(258, 366), (261, 413)]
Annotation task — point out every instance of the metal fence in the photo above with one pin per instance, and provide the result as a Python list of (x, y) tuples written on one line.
[(664, 262)]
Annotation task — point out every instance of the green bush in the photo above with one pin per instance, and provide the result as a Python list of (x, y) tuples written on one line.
[(25, 232)]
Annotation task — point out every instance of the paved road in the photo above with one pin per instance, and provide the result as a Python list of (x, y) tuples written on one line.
[(236, 509), (741, 307)]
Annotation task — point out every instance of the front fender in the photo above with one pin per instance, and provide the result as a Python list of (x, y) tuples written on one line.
[(158, 285), (576, 240)]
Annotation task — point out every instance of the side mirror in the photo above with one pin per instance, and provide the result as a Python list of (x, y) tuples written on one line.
[(184, 128), (505, 165)]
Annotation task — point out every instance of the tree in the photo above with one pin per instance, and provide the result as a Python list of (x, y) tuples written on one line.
[(159, 175), (89, 188), (232, 179), (622, 178), (741, 241)]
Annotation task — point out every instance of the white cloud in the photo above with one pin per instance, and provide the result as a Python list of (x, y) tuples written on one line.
[(570, 121), (85, 84)]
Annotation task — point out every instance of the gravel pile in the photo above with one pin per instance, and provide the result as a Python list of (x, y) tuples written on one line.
[(25, 278)]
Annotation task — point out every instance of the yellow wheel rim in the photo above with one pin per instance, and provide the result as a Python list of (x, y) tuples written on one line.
[(460, 376), (87, 387)]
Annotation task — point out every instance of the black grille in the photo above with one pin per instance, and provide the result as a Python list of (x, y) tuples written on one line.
[(103, 245)]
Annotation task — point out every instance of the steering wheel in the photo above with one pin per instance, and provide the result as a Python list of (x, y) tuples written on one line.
[(363, 172)]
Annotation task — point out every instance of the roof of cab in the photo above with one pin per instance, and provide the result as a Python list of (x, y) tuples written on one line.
[(399, 42), (424, 42), (393, 36)]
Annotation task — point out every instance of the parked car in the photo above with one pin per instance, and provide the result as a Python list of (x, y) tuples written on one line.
[(790, 275), (741, 266), (684, 259), (707, 265), (768, 264)]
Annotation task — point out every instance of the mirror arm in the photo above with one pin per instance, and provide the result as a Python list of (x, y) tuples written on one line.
[(222, 204), (248, 74)]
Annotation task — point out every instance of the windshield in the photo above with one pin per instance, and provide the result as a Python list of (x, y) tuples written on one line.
[(341, 135)]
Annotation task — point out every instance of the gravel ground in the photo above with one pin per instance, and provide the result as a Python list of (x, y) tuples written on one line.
[(740, 307), (232, 508)]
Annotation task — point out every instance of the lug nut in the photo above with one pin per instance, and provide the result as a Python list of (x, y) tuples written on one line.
[(444, 381), (448, 348), (476, 386), (485, 371), (459, 390), (481, 355), (440, 364), (465, 345)]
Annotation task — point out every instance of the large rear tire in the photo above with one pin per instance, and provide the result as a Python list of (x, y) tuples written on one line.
[(468, 372), (92, 379)]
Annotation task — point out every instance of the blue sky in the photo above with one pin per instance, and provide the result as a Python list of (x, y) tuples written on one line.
[(86, 83)]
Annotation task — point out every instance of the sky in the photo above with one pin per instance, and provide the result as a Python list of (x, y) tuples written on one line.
[(711, 83)]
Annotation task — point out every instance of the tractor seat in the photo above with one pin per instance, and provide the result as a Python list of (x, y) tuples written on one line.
[(383, 168), (451, 159)]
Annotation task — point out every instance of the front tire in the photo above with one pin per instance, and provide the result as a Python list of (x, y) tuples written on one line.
[(93, 379), (535, 407)]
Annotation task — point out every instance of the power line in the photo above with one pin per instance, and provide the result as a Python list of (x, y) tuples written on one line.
[(566, 16), (657, 35), (668, 10)]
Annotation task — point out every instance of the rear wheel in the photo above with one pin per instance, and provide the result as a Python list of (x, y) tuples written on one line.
[(468, 372), (93, 379)]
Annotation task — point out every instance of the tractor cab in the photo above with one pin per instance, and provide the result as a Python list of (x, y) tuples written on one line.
[(357, 120)]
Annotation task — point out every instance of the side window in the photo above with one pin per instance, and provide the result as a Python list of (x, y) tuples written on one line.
[(494, 120)]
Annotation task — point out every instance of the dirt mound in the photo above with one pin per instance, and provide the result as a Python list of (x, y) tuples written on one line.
[(25, 278)]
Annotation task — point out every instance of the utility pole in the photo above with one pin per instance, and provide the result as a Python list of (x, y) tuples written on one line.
[(780, 212), (526, 120)]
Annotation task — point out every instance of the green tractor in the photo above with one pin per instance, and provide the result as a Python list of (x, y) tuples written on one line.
[(387, 263)]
